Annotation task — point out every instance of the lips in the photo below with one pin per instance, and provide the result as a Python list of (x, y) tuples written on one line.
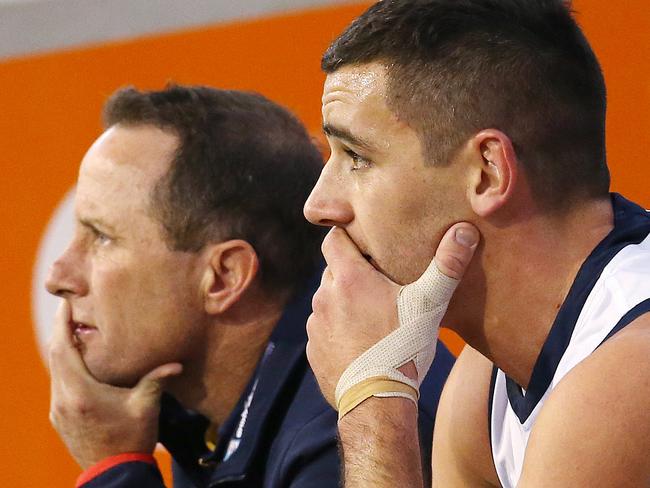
[(81, 328), (368, 258), (365, 255)]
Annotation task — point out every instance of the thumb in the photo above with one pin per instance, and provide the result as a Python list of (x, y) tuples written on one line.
[(151, 385), (456, 249)]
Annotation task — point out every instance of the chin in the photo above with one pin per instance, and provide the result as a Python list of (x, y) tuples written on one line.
[(110, 376)]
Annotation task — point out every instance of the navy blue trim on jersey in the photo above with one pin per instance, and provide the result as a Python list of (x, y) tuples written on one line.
[(640, 309), (493, 382), (631, 226)]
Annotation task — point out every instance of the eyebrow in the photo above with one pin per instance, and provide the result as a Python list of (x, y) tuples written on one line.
[(96, 224), (347, 136)]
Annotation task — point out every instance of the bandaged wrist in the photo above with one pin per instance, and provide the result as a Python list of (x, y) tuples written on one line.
[(421, 306), (378, 387)]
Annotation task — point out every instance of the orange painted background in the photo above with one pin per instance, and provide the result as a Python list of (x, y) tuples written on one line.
[(49, 115)]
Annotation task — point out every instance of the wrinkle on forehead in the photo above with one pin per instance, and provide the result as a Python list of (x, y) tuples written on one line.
[(356, 96), (358, 82)]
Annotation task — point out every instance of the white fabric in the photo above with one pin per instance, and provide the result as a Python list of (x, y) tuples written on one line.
[(421, 306), (623, 284)]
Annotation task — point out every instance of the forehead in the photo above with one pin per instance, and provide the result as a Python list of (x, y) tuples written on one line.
[(359, 87), (123, 165), (355, 99), (143, 149), (356, 83)]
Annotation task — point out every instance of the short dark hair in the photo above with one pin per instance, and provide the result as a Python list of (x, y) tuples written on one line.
[(243, 168), (524, 67)]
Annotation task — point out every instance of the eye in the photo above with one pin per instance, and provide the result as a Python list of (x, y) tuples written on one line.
[(101, 238), (358, 162)]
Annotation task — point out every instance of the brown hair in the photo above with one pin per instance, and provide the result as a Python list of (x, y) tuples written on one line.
[(243, 169), (456, 67)]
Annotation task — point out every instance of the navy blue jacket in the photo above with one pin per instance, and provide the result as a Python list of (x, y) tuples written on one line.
[(282, 433)]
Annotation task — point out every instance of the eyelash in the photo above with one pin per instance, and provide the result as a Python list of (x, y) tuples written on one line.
[(100, 236), (359, 161)]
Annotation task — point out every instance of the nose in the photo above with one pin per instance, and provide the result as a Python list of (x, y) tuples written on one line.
[(327, 204), (65, 278)]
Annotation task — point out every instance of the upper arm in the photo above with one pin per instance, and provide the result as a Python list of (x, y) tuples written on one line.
[(461, 446), (594, 429)]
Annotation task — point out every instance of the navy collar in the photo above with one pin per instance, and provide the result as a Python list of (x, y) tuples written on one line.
[(182, 431), (631, 226)]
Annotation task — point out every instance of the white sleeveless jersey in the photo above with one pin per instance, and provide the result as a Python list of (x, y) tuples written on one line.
[(611, 289)]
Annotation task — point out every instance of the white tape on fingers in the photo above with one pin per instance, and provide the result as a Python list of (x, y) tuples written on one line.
[(420, 306)]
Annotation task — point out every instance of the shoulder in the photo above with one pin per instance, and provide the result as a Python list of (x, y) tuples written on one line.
[(305, 446), (599, 414), (461, 445)]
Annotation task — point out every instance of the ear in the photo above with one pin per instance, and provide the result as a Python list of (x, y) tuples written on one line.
[(232, 267), (493, 173)]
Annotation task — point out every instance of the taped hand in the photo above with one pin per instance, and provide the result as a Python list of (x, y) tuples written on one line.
[(354, 347)]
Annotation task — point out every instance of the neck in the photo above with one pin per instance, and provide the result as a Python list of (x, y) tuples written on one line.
[(511, 294), (213, 382)]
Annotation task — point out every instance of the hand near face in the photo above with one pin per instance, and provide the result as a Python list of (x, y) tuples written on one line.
[(96, 420), (356, 306)]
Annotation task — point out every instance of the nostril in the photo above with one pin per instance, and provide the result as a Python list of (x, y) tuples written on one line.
[(328, 223), (61, 283)]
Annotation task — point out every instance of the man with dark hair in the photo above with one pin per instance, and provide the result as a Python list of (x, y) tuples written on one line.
[(476, 127), (191, 272)]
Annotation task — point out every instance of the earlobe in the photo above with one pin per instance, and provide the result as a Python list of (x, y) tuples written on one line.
[(494, 172), (230, 271)]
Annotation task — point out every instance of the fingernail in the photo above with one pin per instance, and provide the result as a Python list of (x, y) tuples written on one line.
[(467, 237)]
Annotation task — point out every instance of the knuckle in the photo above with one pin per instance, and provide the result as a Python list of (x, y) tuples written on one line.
[(141, 414), (452, 265), (326, 276), (309, 327), (326, 244), (311, 351), (317, 301), (75, 406), (57, 413)]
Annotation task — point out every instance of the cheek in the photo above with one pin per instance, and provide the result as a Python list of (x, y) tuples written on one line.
[(123, 293), (402, 236), (110, 284)]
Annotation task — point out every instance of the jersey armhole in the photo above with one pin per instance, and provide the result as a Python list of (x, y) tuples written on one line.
[(629, 317)]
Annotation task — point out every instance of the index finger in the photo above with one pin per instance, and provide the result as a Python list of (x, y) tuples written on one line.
[(64, 358), (341, 253)]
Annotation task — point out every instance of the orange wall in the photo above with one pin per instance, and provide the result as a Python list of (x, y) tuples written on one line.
[(49, 114)]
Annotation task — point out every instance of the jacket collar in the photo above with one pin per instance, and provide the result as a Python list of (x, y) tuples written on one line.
[(250, 425)]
